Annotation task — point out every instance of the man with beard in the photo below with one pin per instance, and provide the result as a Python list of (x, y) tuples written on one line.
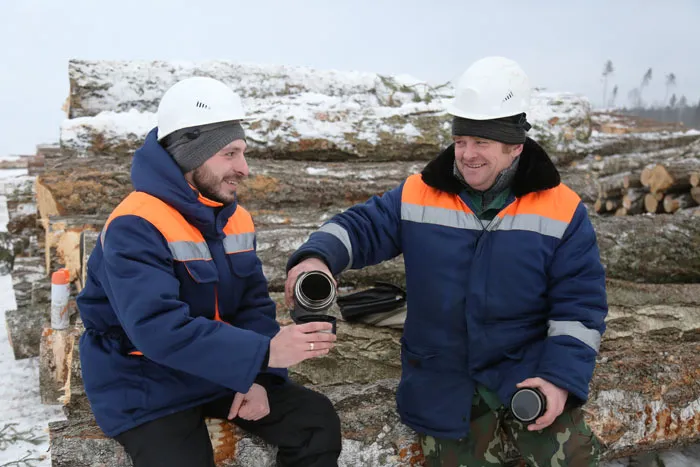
[(179, 324)]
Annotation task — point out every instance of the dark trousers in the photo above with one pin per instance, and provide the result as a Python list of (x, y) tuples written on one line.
[(302, 423)]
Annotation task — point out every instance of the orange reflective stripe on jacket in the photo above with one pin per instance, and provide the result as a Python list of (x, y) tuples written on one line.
[(415, 191), (547, 212), (424, 204), (186, 242)]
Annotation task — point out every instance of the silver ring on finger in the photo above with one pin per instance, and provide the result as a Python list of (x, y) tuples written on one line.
[(311, 345)]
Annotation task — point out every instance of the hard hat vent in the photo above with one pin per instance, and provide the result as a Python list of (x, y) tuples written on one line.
[(202, 105), (508, 96)]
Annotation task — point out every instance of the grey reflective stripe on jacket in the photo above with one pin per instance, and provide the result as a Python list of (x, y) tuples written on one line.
[(577, 330), (341, 234), (235, 243)]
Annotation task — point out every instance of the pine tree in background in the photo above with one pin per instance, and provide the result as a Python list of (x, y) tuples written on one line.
[(614, 96), (645, 82), (670, 82), (607, 71)]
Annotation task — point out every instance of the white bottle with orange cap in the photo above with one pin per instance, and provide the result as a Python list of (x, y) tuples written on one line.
[(60, 293)]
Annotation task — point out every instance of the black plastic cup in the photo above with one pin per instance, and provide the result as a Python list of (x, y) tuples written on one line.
[(528, 404), (317, 318)]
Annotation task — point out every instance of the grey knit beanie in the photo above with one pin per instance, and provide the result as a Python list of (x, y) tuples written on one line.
[(192, 147)]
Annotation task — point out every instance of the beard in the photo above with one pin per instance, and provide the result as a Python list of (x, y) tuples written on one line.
[(210, 185)]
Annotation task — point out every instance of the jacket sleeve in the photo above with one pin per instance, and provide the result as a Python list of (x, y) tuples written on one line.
[(363, 235), (142, 287), (578, 307), (258, 312)]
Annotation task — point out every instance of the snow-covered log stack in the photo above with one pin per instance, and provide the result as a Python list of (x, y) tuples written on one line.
[(320, 141)]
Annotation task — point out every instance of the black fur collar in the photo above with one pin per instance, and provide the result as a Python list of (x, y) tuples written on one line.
[(536, 171)]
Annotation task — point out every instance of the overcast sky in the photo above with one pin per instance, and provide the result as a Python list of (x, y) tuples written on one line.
[(561, 44)]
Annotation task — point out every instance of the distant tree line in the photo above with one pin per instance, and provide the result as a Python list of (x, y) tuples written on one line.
[(674, 108), (681, 112)]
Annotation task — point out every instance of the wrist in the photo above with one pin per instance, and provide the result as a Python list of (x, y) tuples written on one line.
[(266, 359)]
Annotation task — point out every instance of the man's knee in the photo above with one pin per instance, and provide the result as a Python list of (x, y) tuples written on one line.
[(321, 405), (577, 442), (315, 410)]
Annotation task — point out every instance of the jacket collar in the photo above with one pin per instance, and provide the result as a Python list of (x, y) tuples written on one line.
[(536, 171), (155, 172)]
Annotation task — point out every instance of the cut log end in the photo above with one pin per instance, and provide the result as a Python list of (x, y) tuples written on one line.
[(651, 204), (674, 203), (695, 194), (694, 179), (612, 204)]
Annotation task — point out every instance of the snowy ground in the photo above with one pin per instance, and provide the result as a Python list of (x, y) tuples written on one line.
[(24, 420)]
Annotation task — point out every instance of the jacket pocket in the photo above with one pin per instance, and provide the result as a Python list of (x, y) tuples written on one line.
[(202, 272), (435, 393), (198, 284), (243, 264), (432, 360)]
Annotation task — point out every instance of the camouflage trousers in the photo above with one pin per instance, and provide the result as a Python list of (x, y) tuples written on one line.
[(568, 442)]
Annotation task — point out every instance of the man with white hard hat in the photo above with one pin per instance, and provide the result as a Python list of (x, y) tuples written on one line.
[(179, 324), (505, 288)]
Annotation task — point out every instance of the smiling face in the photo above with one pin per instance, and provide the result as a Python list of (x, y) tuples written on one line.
[(480, 160), (218, 178)]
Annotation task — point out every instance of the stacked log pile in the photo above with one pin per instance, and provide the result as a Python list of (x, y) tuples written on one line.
[(317, 146), (653, 182), (21, 245)]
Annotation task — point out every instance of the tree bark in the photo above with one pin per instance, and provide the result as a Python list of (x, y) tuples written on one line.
[(24, 330), (656, 249), (614, 185), (584, 184), (633, 200), (81, 191), (25, 322), (635, 157), (89, 192), (659, 312)]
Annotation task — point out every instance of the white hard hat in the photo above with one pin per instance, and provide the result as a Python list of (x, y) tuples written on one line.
[(493, 87), (197, 101)]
